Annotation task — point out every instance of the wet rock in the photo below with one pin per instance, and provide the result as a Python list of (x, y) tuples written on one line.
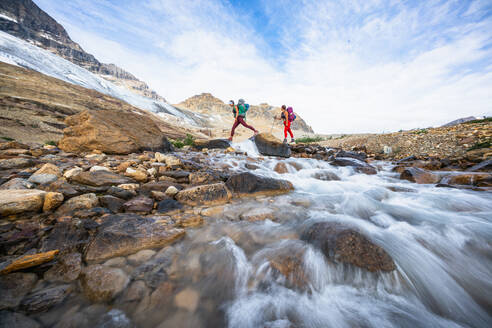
[(258, 214), (45, 299), (168, 205), (114, 204), (110, 132), (27, 261), (42, 178), (291, 266), (125, 234), (249, 184), (139, 204), (187, 299), (115, 318), (19, 201), (216, 193), (189, 221), (101, 283), (17, 183), (15, 163), (121, 193), (250, 166), (52, 200), (66, 269), (346, 245), (200, 178), (16, 320), (65, 236), (358, 165), (86, 201), (211, 144), (326, 176), (281, 168), (141, 257), (100, 179), (472, 179), (14, 287), (419, 176), (137, 291), (485, 166), (361, 156), (268, 145), (116, 262)]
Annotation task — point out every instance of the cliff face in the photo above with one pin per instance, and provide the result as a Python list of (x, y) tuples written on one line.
[(220, 116), (25, 20)]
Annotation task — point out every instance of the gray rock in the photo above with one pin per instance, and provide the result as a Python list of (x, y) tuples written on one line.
[(86, 201), (139, 204), (114, 204), (43, 178), (17, 183), (67, 268), (15, 163), (100, 179), (250, 184), (16, 320), (168, 205), (44, 299), (14, 287)]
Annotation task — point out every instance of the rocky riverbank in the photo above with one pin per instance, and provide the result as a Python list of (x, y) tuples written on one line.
[(82, 231)]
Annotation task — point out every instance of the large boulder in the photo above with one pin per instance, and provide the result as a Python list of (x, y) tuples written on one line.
[(125, 234), (112, 132), (211, 144), (268, 145), (342, 244), (419, 176), (19, 201), (247, 183), (210, 194)]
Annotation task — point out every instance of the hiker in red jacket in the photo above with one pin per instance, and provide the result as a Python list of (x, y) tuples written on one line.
[(288, 116), (239, 112)]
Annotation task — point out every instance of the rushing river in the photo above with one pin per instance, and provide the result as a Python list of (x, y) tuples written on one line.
[(439, 238)]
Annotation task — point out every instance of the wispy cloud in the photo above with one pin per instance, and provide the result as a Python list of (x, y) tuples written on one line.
[(351, 66)]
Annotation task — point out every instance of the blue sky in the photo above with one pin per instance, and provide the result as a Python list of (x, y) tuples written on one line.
[(346, 66)]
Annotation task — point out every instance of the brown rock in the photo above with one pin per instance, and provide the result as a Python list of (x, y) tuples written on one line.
[(475, 179), (419, 176), (138, 174), (249, 184), (281, 168), (112, 132), (123, 166), (85, 201), (291, 266), (124, 234), (343, 244), (211, 194), (44, 299), (67, 268), (14, 287), (139, 204), (19, 201), (28, 261), (12, 145), (102, 283), (49, 169), (190, 221), (52, 200), (100, 179), (187, 299), (200, 178)]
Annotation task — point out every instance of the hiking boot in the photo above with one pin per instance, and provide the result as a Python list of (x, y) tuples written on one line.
[(230, 139), (292, 140), (285, 140)]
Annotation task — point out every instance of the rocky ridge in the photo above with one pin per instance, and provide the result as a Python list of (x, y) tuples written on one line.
[(220, 117), (25, 20)]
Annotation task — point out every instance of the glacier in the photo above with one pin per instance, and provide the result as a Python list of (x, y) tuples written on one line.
[(18, 52)]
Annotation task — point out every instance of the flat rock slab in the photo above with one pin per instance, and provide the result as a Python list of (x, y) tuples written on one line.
[(100, 179), (19, 201), (211, 194), (269, 145), (212, 144), (125, 234), (250, 184), (28, 261), (44, 299), (16, 163)]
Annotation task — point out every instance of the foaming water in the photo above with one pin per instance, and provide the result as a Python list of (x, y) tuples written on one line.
[(247, 274)]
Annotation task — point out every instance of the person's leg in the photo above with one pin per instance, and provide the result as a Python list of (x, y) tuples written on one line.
[(241, 121), (285, 131), (234, 126)]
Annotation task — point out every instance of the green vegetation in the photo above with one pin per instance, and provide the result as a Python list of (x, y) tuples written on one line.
[(51, 143), (480, 145), (180, 143), (6, 138), (487, 119), (308, 139), (421, 131)]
